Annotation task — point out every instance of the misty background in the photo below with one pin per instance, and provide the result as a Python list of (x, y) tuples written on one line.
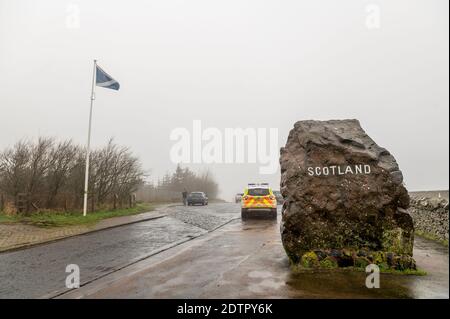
[(229, 64)]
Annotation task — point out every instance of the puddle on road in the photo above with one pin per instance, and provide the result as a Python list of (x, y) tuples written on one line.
[(264, 285), (430, 256), (276, 279), (347, 284)]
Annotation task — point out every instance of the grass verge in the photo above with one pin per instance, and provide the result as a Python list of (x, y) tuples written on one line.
[(431, 237), (56, 219), (414, 272)]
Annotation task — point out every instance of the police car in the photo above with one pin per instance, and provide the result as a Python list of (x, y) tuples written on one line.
[(258, 199)]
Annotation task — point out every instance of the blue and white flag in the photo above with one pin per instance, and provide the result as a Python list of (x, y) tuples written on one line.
[(103, 79)]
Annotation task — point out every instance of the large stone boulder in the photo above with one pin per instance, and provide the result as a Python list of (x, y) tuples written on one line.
[(345, 202)]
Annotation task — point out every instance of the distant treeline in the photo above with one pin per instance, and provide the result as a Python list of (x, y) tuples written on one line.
[(171, 186), (47, 174)]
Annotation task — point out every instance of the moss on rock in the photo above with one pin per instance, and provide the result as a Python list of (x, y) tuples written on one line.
[(377, 257), (398, 241), (310, 260), (361, 262), (354, 258), (329, 262), (404, 263)]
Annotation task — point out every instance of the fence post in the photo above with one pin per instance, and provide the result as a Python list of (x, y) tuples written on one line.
[(22, 203), (27, 204)]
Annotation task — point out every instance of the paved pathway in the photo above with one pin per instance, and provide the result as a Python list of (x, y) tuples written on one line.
[(17, 235)]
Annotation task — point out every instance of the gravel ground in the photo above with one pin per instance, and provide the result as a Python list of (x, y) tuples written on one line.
[(206, 217)]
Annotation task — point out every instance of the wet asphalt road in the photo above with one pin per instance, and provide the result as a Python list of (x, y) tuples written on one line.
[(245, 259), (40, 271), (242, 259)]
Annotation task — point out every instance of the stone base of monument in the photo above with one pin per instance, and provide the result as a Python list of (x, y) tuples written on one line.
[(335, 258), (345, 202)]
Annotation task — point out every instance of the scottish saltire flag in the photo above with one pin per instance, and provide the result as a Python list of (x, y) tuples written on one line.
[(103, 79)]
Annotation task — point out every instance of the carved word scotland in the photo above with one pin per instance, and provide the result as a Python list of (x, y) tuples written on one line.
[(339, 170)]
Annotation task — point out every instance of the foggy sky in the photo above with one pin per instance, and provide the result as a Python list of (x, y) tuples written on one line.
[(234, 63)]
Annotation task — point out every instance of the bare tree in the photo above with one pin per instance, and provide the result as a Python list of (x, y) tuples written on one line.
[(52, 174), (14, 169), (62, 160)]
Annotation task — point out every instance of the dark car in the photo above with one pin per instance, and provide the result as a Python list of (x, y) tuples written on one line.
[(197, 198), (279, 197)]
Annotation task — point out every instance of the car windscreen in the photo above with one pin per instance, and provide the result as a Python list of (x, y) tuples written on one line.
[(258, 191), (196, 195)]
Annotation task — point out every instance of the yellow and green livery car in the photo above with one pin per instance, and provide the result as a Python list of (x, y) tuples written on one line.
[(257, 200)]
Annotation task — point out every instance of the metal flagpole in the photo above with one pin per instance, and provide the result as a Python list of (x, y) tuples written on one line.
[(86, 176)]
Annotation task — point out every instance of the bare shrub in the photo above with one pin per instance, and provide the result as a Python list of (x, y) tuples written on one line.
[(50, 175)]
